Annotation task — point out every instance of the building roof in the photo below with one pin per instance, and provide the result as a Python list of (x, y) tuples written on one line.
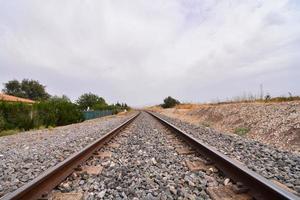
[(10, 98)]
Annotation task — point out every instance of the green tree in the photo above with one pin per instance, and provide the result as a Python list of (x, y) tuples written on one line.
[(30, 89), (62, 98), (13, 87), (90, 100), (170, 102), (34, 90)]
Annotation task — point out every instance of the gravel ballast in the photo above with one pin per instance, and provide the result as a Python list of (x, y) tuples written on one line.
[(26, 155), (268, 161), (276, 124), (144, 166)]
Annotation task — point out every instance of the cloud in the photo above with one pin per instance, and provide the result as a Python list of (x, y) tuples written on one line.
[(142, 51)]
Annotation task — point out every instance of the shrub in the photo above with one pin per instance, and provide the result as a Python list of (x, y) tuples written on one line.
[(170, 102), (241, 131), (206, 124), (17, 115), (2, 122), (115, 108), (55, 112)]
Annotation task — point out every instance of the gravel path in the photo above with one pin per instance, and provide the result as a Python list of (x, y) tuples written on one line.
[(25, 155), (265, 160), (145, 166)]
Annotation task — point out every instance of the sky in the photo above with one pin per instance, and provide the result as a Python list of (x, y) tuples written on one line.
[(140, 51)]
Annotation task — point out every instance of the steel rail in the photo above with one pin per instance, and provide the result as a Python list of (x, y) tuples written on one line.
[(259, 187), (48, 180)]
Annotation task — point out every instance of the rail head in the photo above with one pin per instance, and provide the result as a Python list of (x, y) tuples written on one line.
[(260, 187), (48, 180)]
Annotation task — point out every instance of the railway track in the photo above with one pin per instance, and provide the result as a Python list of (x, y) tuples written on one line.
[(172, 160), (258, 186)]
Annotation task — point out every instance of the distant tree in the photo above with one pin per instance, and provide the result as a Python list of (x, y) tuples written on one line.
[(267, 97), (30, 89), (90, 100), (170, 102), (58, 98)]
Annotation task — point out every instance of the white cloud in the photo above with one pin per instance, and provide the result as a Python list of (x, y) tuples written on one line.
[(145, 50)]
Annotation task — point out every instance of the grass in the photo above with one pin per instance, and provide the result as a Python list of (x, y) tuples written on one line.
[(9, 132), (241, 131)]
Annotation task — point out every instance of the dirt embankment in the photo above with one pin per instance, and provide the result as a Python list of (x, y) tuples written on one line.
[(277, 124)]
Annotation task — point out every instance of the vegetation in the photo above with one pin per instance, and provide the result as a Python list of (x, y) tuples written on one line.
[(56, 111), (170, 102), (2, 122), (29, 89), (9, 132), (252, 98), (241, 131), (91, 101), (48, 111), (206, 124), (281, 99), (16, 115)]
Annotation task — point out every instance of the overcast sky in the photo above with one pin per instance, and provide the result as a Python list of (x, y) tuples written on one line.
[(142, 51)]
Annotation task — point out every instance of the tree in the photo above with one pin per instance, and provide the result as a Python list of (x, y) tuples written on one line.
[(30, 89), (13, 88), (170, 102), (58, 98), (34, 90), (90, 100)]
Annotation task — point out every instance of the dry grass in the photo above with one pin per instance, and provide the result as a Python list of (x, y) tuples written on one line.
[(271, 100), (154, 108), (187, 106), (123, 113)]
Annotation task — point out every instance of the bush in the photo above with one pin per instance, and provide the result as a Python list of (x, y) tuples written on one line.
[(55, 112), (2, 122), (115, 108), (241, 131), (17, 115), (170, 102)]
